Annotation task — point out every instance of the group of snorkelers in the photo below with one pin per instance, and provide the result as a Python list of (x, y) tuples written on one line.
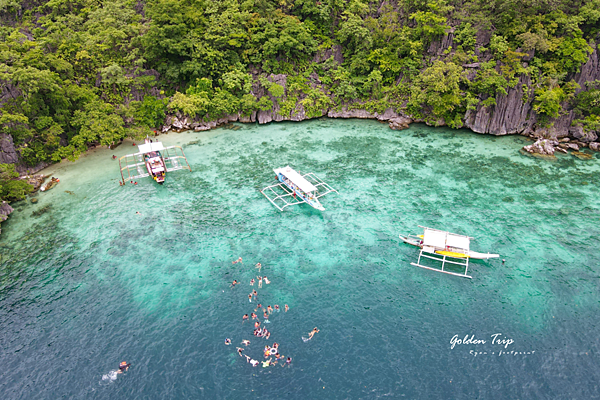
[(270, 352)]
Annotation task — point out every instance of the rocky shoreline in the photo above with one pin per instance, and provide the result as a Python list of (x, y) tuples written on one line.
[(547, 142)]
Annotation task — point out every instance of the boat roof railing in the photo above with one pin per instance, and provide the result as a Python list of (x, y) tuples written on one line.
[(296, 178), (442, 239), (150, 147)]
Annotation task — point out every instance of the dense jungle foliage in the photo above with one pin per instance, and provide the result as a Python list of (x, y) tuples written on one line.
[(79, 72)]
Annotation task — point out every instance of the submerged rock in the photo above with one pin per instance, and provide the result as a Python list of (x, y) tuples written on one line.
[(582, 156), (41, 211)]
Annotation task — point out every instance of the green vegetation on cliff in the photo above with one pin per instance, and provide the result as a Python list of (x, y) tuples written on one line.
[(80, 72)]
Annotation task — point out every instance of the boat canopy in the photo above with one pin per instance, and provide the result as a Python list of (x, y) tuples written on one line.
[(150, 147), (441, 239), (296, 178)]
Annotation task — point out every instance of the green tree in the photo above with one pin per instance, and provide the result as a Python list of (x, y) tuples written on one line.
[(11, 188)]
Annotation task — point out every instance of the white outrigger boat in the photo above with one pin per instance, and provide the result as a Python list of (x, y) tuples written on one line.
[(302, 188), (440, 245), (153, 159)]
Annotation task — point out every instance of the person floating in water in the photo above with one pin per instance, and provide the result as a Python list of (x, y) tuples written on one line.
[(235, 282), (255, 293), (252, 282), (258, 266), (253, 316), (254, 363), (267, 281), (114, 157), (240, 350), (269, 309), (250, 297), (227, 342), (286, 308), (259, 281), (245, 342), (124, 366), (266, 363), (312, 333), (239, 260), (276, 308), (245, 317)]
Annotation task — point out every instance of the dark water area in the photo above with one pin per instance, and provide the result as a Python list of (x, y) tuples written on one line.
[(86, 283)]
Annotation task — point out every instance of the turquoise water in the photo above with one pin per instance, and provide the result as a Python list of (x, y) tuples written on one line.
[(85, 282)]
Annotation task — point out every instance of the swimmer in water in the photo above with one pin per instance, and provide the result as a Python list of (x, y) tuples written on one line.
[(237, 261), (254, 363), (286, 308), (235, 282), (227, 342), (253, 316), (245, 342), (259, 281), (267, 281), (258, 266), (312, 333), (245, 317), (268, 335), (250, 297), (269, 309), (266, 363), (252, 282), (258, 306), (240, 350), (255, 293), (257, 324), (124, 366), (276, 308), (248, 359), (289, 360), (138, 213)]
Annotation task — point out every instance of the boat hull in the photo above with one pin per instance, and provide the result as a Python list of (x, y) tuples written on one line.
[(470, 254), (314, 203)]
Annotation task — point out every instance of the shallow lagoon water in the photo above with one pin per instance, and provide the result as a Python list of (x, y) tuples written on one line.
[(85, 282)]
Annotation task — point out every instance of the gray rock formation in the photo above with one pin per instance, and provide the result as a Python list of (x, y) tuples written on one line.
[(510, 115), (5, 210), (579, 133), (595, 146), (8, 155), (542, 146), (400, 123), (354, 113)]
